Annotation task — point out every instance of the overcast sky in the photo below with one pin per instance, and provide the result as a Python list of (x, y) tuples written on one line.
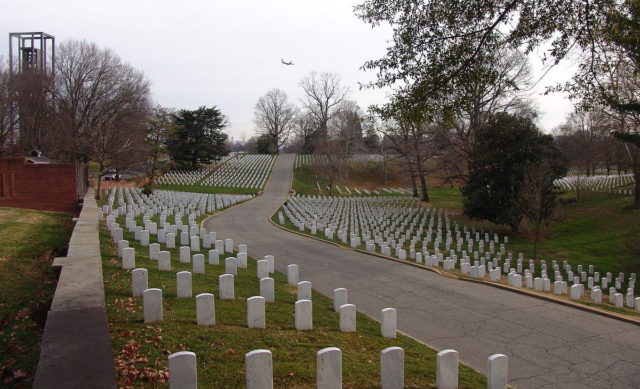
[(227, 53)]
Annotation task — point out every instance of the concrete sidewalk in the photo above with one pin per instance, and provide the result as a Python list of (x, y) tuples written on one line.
[(76, 350)]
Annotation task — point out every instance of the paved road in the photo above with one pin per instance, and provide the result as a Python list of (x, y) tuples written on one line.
[(548, 345)]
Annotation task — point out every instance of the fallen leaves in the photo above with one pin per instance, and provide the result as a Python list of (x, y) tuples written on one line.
[(133, 367)]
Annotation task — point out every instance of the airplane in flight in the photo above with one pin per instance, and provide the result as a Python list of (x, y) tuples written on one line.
[(289, 63)]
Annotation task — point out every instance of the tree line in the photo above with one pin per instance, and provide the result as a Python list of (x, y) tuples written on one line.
[(97, 109)]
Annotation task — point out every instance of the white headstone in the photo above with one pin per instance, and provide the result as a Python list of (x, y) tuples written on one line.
[(392, 368), (231, 266), (128, 258), (389, 323), (121, 245), (304, 290), (348, 318), (228, 245), (339, 298), (272, 262), (205, 309), (256, 312), (144, 238), (292, 274), (259, 369), (226, 289), (447, 369), (170, 238), (267, 289), (152, 305), (139, 281), (154, 249), (214, 257), (242, 260), (164, 260), (329, 368), (242, 248), (220, 246), (262, 269), (198, 263), (304, 315), (185, 254), (195, 243), (184, 284), (497, 371), (183, 372)]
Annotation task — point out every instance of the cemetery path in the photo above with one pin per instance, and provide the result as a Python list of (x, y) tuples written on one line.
[(548, 345)]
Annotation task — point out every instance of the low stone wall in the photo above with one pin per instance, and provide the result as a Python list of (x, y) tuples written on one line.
[(76, 350)]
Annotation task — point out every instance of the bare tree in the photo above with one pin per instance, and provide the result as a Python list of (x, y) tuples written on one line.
[(159, 127), (323, 94), (274, 116), (304, 128), (537, 199), (346, 127), (499, 84), (8, 114), (99, 100)]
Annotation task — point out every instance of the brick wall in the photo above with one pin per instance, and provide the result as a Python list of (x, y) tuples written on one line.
[(47, 187)]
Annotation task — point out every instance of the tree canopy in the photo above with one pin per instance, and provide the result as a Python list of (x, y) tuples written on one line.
[(507, 147), (198, 138)]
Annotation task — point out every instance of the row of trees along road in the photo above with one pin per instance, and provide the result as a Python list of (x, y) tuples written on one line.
[(97, 109), (457, 68)]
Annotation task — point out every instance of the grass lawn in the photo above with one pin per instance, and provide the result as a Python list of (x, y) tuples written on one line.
[(28, 242), (304, 183), (142, 349)]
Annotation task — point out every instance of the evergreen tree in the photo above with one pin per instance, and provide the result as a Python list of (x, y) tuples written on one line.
[(507, 147), (198, 138)]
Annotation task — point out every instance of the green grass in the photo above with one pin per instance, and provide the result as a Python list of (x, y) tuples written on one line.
[(142, 349), (208, 189), (591, 232), (304, 183), (28, 241)]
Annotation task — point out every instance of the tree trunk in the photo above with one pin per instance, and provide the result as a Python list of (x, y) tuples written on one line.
[(412, 173), (384, 170), (99, 183), (423, 181), (536, 237), (636, 177)]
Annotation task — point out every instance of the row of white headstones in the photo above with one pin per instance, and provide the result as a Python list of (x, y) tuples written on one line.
[(607, 183), (190, 177), (182, 365), (259, 369), (250, 171), (374, 223)]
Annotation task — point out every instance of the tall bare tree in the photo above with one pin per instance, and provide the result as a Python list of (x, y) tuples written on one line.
[(274, 116), (8, 114), (323, 94), (497, 83), (159, 127), (102, 104)]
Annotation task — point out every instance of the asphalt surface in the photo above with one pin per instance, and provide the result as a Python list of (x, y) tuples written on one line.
[(549, 345)]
